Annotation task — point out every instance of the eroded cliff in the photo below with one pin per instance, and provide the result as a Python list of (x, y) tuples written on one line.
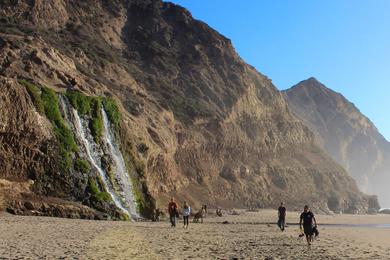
[(345, 133), (197, 122)]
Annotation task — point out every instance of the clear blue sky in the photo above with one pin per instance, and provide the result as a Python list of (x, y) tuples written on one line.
[(345, 44)]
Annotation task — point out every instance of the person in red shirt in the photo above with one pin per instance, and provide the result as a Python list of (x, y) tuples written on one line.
[(173, 212)]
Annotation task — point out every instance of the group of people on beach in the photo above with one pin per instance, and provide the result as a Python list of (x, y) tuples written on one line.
[(307, 220), (173, 211)]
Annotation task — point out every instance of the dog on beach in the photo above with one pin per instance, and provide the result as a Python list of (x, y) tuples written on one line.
[(156, 215), (199, 215), (205, 210)]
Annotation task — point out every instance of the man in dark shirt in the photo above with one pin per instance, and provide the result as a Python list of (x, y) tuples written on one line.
[(173, 212), (307, 219), (282, 216)]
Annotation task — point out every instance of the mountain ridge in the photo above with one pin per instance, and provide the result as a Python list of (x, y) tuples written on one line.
[(197, 122), (344, 132), (314, 82)]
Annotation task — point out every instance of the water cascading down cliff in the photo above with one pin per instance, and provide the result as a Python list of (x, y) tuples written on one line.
[(116, 182)]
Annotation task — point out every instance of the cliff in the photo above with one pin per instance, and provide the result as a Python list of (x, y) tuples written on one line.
[(196, 121), (345, 133)]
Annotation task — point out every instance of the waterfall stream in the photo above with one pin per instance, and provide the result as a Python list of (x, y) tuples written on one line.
[(93, 158), (122, 195), (121, 173)]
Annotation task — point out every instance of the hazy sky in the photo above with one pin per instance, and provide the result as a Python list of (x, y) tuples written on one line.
[(345, 44)]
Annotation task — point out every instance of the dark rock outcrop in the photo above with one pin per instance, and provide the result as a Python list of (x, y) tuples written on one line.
[(32, 205)]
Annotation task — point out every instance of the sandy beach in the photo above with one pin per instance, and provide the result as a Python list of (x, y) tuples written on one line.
[(245, 236)]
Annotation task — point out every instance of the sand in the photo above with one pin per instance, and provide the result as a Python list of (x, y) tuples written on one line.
[(247, 236)]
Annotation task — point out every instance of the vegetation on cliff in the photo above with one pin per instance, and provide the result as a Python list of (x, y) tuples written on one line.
[(137, 170), (35, 94), (91, 107), (46, 101), (98, 195), (96, 123), (82, 165), (112, 110)]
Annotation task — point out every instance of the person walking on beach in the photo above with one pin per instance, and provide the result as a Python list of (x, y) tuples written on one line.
[(307, 219), (173, 213), (186, 214), (282, 216)]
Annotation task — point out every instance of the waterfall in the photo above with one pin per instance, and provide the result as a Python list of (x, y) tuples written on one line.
[(122, 195), (121, 173), (94, 157), (63, 103)]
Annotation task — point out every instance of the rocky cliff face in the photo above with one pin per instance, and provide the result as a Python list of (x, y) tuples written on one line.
[(196, 121), (345, 133)]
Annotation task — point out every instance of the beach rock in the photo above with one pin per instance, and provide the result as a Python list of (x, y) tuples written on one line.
[(11, 210), (35, 205), (384, 211), (28, 205)]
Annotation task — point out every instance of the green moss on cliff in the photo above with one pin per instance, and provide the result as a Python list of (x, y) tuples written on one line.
[(103, 196), (100, 196), (35, 94), (51, 107), (96, 123), (90, 107), (64, 135), (79, 101), (112, 111), (82, 165), (46, 102)]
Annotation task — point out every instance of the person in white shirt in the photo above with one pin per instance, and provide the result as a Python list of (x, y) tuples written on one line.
[(186, 214)]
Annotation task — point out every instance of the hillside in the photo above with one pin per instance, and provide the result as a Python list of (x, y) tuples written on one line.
[(346, 134), (189, 118)]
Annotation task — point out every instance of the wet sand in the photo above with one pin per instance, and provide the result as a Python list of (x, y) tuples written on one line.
[(247, 236)]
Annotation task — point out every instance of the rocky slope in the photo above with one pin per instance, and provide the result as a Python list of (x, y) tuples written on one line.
[(196, 121), (346, 134)]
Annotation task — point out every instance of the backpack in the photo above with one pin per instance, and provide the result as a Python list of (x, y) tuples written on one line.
[(315, 231)]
